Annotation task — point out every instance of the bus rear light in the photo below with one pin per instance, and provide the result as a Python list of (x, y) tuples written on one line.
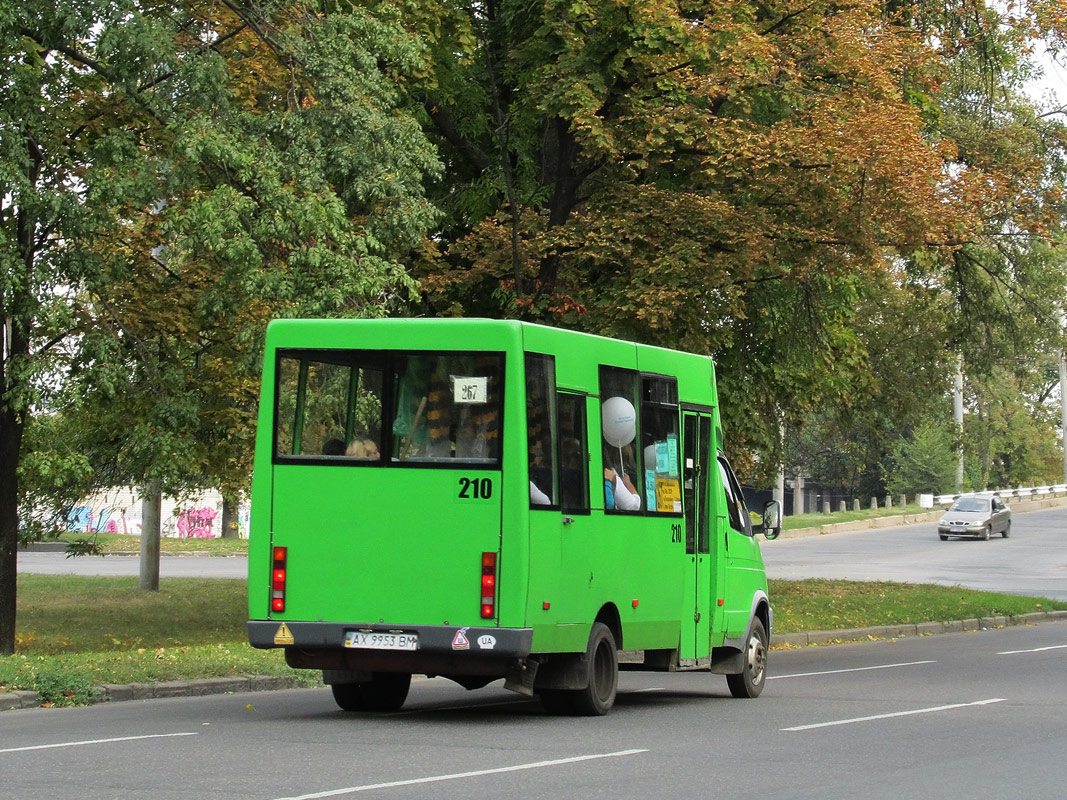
[(277, 580), (488, 585)]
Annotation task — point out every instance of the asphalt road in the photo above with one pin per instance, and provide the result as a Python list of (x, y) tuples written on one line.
[(959, 715), (1032, 561), (56, 563)]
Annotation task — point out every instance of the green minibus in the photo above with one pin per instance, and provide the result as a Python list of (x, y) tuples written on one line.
[(493, 499)]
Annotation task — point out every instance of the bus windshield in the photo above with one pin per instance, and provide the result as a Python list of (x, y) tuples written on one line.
[(388, 408)]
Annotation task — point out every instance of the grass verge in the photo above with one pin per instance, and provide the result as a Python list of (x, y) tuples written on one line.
[(77, 632), (121, 544)]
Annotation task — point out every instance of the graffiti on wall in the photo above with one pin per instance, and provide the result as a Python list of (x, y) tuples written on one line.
[(197, 523), (192, 519)]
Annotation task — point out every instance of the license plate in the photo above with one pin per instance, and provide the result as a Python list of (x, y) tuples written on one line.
[(376, 640), (959, 530)]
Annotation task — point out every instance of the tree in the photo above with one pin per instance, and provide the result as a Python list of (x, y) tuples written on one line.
[(925, 461), (240, 161), (703, 177)]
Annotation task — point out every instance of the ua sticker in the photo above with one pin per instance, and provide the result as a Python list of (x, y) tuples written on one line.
[(283, 635), (460, 640), (487, 642)]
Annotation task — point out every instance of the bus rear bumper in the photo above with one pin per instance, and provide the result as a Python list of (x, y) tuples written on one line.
[(321, 645)]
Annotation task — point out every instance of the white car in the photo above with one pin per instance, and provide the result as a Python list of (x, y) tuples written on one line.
[(978, 517)]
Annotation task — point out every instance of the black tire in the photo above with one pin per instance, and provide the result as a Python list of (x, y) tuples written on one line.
[(985, 533), (385, 691), (602, 670), (557, 702), (601, 677), (944, 538), (749, 682), (1007, 530)]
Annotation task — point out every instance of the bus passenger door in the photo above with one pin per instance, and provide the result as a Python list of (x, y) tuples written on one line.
[(697, 610)]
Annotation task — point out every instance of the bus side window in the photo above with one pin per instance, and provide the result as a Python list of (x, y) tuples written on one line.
[(573, 453), (735, 500), (618, 428), (540, 429), (661, 481)]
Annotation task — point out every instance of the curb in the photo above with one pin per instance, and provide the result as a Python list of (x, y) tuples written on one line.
[(116, 693)]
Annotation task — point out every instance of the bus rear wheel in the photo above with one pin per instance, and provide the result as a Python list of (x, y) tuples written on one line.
[(749, 681), (385, 691), (601, 676), (602, 670)]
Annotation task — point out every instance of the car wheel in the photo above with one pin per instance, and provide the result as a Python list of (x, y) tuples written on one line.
[(1007, 530), (944, 538), (385, 691), (749, 682), (985, 533)]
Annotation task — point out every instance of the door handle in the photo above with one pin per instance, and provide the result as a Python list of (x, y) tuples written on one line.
[(568, 520)]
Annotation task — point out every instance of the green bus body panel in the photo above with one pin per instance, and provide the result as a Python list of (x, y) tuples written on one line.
[(401, 548), (396, 545)]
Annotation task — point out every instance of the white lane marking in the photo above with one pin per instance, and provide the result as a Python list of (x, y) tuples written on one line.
[(94, 741), (1035, 650), (854, 669), (896, 714), (459, 775)]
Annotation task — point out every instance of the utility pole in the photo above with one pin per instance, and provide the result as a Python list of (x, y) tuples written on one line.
[(1063, 411), (957, 410)]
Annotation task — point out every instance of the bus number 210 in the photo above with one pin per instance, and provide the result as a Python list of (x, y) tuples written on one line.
[(475, 488)]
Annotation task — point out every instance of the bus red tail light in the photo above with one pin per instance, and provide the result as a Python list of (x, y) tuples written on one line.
[(277, 580), (488, 585)]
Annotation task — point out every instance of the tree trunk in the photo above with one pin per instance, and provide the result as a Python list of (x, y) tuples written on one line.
[(12, 423), (230, 529), (151, 510), (10, 440)]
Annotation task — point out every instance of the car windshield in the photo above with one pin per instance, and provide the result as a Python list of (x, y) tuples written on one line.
[(970, 504)]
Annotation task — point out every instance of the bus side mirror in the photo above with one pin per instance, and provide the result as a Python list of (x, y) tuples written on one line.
[(772, 520)]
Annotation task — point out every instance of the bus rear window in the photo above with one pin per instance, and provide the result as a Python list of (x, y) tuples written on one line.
[(379, 407)]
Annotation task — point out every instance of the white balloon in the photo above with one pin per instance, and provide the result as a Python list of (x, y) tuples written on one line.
[(618, 421)]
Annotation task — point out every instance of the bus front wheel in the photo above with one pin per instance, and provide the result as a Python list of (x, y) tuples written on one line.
[(385, 691), (749, 682)]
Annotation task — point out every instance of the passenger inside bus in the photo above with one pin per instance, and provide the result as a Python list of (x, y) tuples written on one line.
[(333, 447), (619, 490), (363, 448)]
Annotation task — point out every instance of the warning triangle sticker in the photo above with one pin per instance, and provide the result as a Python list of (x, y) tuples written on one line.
[(460, 640), (283, 635)]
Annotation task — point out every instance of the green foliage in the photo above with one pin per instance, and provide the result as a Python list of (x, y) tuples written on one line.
[(83, 546), (924, 462), (56, 681)]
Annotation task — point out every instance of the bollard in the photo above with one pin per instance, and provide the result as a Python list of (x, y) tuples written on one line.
[(888, 501), (841, 507), (874, 504), (855, 504), (902, 500)]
